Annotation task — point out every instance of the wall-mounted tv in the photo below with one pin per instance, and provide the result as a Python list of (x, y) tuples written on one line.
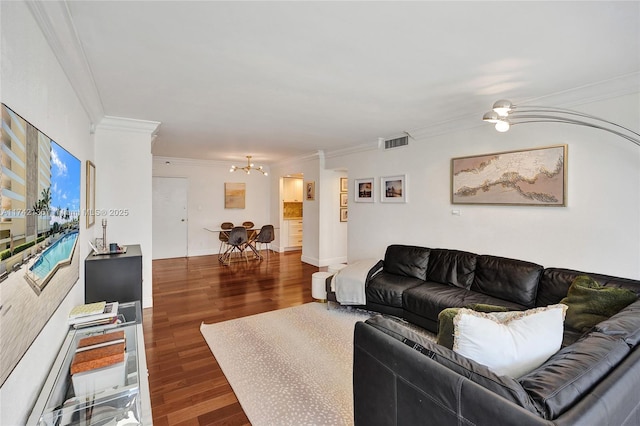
[(39, 227)]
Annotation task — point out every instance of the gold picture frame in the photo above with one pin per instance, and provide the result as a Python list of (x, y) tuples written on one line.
[(343, 214), (344, 197), (234, 195), (90, 202), (344, 184)]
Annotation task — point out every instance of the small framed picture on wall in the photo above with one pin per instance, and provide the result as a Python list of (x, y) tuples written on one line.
[(344, 184), (343, 199), (393, 189), (343, 215), (310, 190), (364, 190)]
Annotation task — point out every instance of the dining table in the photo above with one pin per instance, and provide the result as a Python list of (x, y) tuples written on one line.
[(252, 234)]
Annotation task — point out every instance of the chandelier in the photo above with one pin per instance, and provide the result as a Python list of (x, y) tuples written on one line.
[(247, 169), (505, 114)]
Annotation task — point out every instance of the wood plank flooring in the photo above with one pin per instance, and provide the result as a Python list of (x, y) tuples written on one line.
[(186, 383)]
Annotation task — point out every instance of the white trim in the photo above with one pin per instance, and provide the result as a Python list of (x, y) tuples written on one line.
[(192, 161), (56, 24), (128, 124)]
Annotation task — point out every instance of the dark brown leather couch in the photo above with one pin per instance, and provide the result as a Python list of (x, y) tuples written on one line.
[(400, 378)]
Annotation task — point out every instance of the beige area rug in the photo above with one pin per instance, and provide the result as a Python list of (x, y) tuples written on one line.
[(292, 366)]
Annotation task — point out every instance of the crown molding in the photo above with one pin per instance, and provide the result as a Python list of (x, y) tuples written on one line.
[(607, 89), (56, 24), (310, 156), (128, 125), (371, 146), (191, 162)]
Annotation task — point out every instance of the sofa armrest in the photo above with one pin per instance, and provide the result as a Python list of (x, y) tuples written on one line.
[(394, 384), (373, 271)]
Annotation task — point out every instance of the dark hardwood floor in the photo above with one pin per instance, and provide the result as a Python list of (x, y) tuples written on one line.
[(186, 383)]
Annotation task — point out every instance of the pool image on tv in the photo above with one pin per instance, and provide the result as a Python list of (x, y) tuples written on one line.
[(39, 228)]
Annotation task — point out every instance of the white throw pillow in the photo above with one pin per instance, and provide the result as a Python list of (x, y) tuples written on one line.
[(510, 343)]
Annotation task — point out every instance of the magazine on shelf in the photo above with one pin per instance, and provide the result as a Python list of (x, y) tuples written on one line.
[(108, 313), (87, 309)]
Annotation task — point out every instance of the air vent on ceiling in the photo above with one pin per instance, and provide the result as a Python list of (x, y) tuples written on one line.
[(397, 142)]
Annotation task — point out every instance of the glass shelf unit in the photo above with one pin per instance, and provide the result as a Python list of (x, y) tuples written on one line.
[(126, 403)]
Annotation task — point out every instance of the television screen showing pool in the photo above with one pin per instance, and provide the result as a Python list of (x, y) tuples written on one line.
[(39, 227)]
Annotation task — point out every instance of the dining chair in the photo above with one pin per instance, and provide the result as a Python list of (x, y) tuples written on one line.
[(266, 236), (248, 224), (223, 236), (237, 242)]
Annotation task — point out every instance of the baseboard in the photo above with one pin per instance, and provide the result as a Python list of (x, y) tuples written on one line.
[(323, 262), (202, 252)]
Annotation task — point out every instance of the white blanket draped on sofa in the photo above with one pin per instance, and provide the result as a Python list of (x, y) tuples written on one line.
[(348, 282)]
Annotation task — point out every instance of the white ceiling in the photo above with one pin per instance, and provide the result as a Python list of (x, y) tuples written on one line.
[(283, 79)]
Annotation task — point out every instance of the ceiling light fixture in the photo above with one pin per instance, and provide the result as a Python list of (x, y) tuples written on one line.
[(247, 169), (505, 114)]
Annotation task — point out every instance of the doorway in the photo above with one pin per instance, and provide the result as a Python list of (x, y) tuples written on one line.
[(169, 216), (292, 196)]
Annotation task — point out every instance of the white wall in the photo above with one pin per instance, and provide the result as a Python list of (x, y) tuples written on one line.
[(123, 188), (324, 236), (598, 230), (324, 240), (33, 84), (205, 199), (334, 234)]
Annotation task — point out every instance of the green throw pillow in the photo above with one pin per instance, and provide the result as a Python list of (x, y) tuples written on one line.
[(590, 303), (446, 316)]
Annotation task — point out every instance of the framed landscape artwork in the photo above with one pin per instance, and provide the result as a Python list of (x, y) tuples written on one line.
[(393, 189), (364, 190), (533, 177), (234, 194)]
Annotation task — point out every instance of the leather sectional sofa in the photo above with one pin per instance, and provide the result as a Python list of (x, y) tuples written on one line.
[(402, 378)]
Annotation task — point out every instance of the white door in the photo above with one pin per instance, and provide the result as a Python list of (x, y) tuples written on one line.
[(169, 217)]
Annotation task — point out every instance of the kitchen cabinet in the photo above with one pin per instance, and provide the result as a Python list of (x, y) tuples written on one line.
[(295, 233), (292, 189)]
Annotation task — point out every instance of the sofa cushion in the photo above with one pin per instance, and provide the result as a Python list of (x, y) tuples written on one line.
[(446, 316), (504, 386), (451, 267), (590, 303), (407, 261), (571, 373), (387, 289), (509, 343), (508, 279), (625, 324), (429, 298), (555, 283)]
